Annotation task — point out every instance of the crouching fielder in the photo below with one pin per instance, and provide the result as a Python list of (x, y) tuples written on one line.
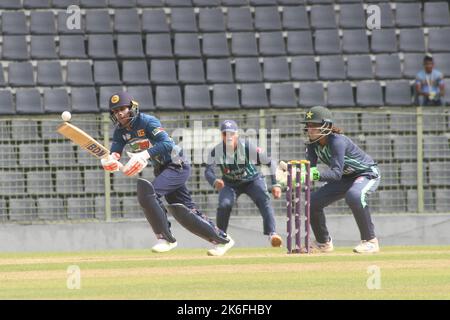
[(352, 175), (149, 141)]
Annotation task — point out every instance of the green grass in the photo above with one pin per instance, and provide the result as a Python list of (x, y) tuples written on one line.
[(254, 273)]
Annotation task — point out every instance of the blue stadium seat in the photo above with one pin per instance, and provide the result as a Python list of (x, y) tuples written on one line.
[(135, 72), (42, 22), (158, 46), (84, 100), (169, 98), (282, 95), (130, 46), (219, 71), (56, 100), (197, 97), (191, 71), (49, 73), (253, 95), (28, 101), (225, 96), (43, 47), (154, 21), (127, 21)]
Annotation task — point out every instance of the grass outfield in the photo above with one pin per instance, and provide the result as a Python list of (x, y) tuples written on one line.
[(256, 273)]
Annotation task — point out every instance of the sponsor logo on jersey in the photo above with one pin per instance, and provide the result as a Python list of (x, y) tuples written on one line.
[(157, 131)]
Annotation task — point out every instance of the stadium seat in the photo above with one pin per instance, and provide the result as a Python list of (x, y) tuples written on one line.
[(84, 100), (206, 3), (405, 147), (149, 3), (303, 68), (98, 21), (42, 22), (43, 47), (154, 21), (378, 147), (28, 101), (215, 45), (122, 4), (359, 67), (191, 71), (62, 27), (6, 104), (412, 40), (225, 96), (327, 42), (244, 44), (219, 71), (295, 18), (183, 20), (276, 69), (72, 47), (187, 45), (234, 3), (79, 73), (105, 94), (253, 95), (355, 41), (20, 74), (39, 182), (439, 173), (384, 41), (101, 46), (412, 64), (106, 73), (447, 92), (163, 72), (93, 3), (15, 48), (263, 2), (387, 15), (311, 94), (56, 100), (20, 132), (439, 40), (12, 183), (299, 42), (135, 72), (331, 68), (168, 98), (62, 153), (352, 16), (323, 17), (442, 63), (144, 96), (80, 208), (211, 20), (158, 46), (49, 73), (390, 174), (369, 94), (340, 95), (32, 155), (14, 23), (375, 122), (127, 21), (36, 4), (436, 14), (267, 19), (291, 2), (9, 156), (398, 93), (22, 210), (248, 70), (196, 97), (271, 44), (408, 15), (50, 209), (2, 76), (94, 180), (129, 46), (179, 3), (387, 67), (442, 195), (436, 147), (10, 4), (239, 19), (282, 95)]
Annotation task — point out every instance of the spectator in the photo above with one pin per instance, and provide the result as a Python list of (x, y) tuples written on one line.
[(429, 84)]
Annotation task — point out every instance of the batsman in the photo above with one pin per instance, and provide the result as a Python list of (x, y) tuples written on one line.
[(149, 141), (352, 175)]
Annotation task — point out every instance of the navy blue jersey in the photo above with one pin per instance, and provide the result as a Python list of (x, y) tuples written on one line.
[(146, 134), (343, 156)]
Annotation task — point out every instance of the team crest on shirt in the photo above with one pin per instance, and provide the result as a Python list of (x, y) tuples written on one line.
[(126, 137), (157, 131), (141, 133)]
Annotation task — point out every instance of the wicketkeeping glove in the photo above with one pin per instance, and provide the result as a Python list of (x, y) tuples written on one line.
[(314, 174), (111, 163), (137, 163)]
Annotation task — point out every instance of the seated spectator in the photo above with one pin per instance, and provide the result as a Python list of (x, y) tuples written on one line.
[(429, 84)]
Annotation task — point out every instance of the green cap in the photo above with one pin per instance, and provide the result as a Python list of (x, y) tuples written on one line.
[(317, 114)]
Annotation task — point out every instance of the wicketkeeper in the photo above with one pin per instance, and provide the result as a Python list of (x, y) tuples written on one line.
[(236, 159), (150, 142)]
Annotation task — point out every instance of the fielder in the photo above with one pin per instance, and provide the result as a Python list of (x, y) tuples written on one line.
[(149, 141), (236, 159), (352, 175)]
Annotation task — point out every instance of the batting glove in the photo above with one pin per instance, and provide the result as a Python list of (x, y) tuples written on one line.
[(137, 163), (111, 163)]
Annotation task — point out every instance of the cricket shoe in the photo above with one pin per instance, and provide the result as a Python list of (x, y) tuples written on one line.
[(275, 240), (322, 247), (162, 245), (220, 249), (367, 246)]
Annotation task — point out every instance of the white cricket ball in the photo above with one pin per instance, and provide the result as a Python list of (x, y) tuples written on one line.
[(66, 116)]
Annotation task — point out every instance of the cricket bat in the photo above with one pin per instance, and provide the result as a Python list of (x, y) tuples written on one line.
[(82, 139)]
